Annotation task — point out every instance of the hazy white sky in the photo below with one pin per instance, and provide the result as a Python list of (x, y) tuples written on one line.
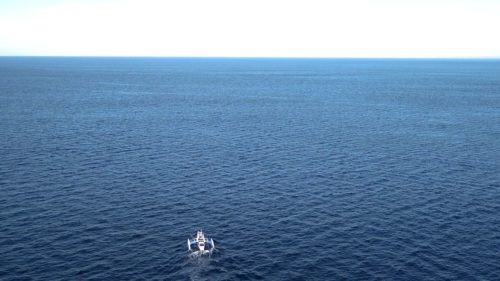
[(252, 28)]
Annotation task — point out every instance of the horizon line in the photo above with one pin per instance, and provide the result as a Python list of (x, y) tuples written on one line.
[(252, 57)]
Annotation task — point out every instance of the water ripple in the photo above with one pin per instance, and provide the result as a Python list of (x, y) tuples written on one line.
[(301, 170)]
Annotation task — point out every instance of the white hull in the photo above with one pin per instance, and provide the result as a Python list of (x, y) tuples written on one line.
[(200, 244)]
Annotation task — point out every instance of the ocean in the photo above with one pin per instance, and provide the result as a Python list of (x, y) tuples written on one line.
[(299, 169)]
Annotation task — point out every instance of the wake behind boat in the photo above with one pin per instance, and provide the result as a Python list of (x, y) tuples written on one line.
[(200, 244)]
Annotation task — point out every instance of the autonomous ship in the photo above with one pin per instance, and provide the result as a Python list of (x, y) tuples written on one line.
[(200, 244)]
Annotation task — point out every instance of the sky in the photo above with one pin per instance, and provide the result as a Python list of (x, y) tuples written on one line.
[(251, 28)]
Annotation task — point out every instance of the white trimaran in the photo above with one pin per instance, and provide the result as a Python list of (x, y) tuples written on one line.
[(200, 244)]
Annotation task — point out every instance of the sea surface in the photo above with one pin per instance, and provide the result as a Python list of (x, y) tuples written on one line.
[(300, 169)]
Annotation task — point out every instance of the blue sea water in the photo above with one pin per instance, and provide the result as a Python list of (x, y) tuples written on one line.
[(300, 169)]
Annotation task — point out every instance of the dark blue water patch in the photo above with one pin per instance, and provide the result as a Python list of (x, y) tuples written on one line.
[(301, 169)]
